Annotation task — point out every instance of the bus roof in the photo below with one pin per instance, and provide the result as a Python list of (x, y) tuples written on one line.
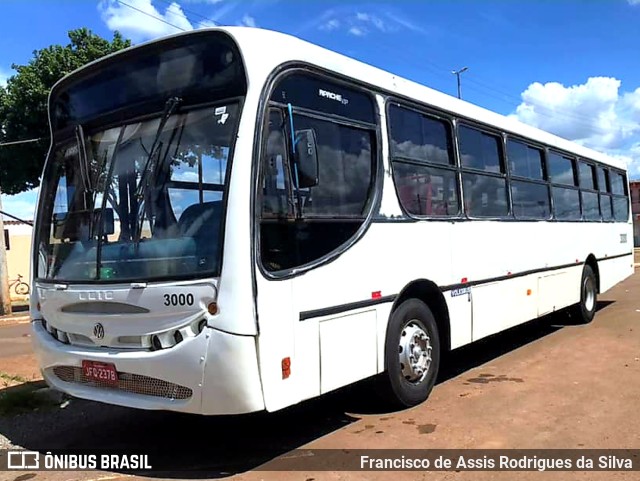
[(284, 48)]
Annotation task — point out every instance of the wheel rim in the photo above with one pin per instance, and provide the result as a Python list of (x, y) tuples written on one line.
[(589, 292), (414, 351)]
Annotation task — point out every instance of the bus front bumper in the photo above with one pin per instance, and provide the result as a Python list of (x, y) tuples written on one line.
[(212, 373)]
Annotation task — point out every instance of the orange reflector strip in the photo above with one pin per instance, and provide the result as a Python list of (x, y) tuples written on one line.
[(528, 292), (286, 367), (212, 308)]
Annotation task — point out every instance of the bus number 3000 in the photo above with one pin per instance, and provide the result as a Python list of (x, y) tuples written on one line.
[(178, 299)]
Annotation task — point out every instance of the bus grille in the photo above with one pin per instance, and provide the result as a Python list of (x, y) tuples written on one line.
[(133, 383)]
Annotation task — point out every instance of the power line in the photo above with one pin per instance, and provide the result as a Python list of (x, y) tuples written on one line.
[(17, 218), (192, 12), (149, 15)]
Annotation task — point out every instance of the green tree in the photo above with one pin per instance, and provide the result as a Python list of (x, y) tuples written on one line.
[(23, 104)]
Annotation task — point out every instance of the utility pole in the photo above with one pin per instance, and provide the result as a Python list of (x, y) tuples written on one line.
[(457, 74), (5, 297)]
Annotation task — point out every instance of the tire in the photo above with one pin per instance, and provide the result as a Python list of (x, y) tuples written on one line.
[(401, 384), (22, 289), (585, 310)]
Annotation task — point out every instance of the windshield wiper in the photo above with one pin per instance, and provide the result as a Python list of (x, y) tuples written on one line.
[(98, 218), (83, 159), (169, 108)]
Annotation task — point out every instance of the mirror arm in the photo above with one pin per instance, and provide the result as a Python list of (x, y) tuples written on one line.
[(298, 213)]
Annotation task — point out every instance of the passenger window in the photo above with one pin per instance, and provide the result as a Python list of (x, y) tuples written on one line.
[(524, 161), (617, 184), (530, 200), (560, 169), (621, 209), (425, 190), (479, 150), (587, 176), (603, 180), (416, 136), (485, 196), (590, 209), (566, 203)]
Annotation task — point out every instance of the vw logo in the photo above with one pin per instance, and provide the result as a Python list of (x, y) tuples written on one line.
[(98, 331)]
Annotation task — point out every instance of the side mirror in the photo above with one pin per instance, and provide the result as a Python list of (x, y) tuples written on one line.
[(306, 158), (75, 225)]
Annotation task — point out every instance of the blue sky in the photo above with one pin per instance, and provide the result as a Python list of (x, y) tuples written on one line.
[(570, 67)]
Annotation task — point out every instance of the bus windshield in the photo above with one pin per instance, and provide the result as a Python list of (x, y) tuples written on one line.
[(138, 201)]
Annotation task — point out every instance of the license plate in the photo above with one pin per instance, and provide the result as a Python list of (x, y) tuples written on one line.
[(100, 371)]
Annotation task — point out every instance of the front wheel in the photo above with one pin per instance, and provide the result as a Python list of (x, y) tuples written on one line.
[(412, 354), (22, 289), (585, 310)]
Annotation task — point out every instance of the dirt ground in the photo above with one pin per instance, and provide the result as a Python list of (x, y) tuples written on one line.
[(547, 384)]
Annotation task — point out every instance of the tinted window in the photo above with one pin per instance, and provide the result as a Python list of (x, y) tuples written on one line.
[(424, 190), (530, 201), (617, 183), (560, 169), (590, 208), (484, 196), (322, 95), (196, 68), (603, 180), (524, 161), (566, 203), (621, 209), (479, 150), (587, 176), (345, 169), (416, 136), (326, 215), (606, 207)]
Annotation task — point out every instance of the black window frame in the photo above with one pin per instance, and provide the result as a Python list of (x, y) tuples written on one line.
[(624, 196), (503, 174), (544, 181), (375, 194), (552, 184), (588, 190), (450, 167)]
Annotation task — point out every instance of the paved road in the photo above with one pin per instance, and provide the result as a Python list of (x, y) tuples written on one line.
[(543, 385)]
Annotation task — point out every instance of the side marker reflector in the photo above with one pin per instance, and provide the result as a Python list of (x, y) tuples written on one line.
[(376, 295), (286, 367)]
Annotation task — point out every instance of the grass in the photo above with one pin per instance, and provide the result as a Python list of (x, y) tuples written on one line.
[(22, 398), (13, 378)]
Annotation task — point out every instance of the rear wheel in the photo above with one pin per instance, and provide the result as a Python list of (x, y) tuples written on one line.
[(412, 354), (585, 310)]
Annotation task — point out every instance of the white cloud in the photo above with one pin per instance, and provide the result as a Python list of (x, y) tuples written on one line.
[(142, 20), (137, 22), (361, 23), (21, 205), (633, 2), (332, 24), (4, 76), (595, 114), (248, 21)]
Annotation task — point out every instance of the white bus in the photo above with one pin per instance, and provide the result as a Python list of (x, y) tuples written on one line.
[(234, 220)]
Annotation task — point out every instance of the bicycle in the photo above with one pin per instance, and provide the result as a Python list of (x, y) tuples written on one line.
[(19, 286)]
